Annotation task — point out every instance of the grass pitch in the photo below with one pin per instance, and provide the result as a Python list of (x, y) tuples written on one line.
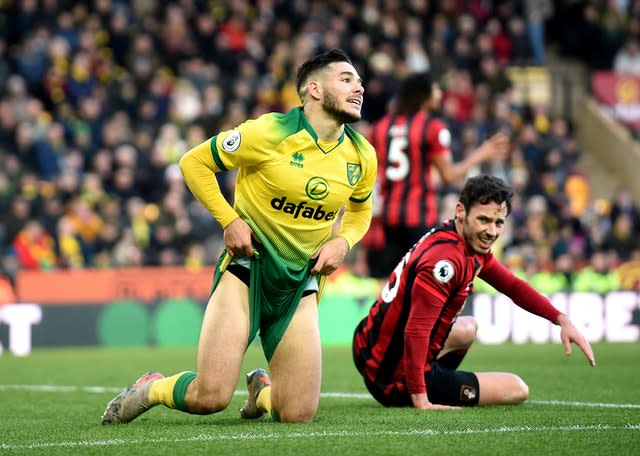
[(52, 400)]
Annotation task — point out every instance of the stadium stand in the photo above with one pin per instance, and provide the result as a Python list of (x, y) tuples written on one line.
[(99, 100)]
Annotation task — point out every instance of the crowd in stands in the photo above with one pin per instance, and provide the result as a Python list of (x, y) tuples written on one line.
[(100, 99), (605, 37)]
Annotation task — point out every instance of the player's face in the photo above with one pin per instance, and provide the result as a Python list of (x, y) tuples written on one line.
[(343, 91), (482, 225)]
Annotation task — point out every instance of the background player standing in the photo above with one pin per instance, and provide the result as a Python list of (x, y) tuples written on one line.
[(409, 141)]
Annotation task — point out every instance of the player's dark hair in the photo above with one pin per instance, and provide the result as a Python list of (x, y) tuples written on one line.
[(414, 90), (318, 62), (485, 189)]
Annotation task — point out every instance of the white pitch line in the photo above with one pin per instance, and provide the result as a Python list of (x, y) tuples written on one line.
[(323, 434), (338, 395), (586, 404)]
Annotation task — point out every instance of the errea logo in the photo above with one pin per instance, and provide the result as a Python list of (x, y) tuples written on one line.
[(296, 160)]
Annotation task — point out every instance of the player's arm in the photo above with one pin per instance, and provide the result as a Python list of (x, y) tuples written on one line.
[(427, 301), (355, 221), (450, 171), (199, 170), (354, 225), (527, 297)]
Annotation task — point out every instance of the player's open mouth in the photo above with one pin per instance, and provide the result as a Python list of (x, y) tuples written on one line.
[(485, 243), (355, 101)]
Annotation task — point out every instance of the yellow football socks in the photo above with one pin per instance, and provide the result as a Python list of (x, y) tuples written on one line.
[(171, 391), (162, 391), (263, 401)]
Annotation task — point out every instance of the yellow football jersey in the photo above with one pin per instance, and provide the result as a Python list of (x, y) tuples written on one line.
[(291, 186)]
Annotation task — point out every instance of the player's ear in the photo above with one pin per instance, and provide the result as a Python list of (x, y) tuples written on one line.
[(314, 89), (460, 212)]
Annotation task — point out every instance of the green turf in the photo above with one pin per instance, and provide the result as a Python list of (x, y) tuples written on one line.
[(573, 409)]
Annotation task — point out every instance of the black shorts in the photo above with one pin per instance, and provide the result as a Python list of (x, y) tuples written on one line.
[(398, 241), (444, 386)]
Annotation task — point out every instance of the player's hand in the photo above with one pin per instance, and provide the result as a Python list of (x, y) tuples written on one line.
[(238, 238), (496, 147), (420, 401), (569, 333), (330, 256)]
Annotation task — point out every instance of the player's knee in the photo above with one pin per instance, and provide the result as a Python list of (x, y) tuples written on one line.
[(519, 391), (295, 414), (210, 401), (467, 328)]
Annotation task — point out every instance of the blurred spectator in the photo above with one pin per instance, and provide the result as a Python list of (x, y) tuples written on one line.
[(459, 95), (565, 265), (622, 239), (439, 60), (612, 33), (543, 274), (598, 276), (578, 191), (16, 218), (629, 272), (537, 12), (627, 59), (69, 245), (500, 40), (34, 247), (126, 252), (494, 76), (521, 49), (85, 222), (623, 203)]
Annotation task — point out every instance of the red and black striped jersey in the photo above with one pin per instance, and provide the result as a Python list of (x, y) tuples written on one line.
[(406, 328), (408, 324), (406, 145)]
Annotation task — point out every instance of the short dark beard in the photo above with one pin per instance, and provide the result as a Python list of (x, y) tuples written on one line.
[(330, 105), (465, 223)]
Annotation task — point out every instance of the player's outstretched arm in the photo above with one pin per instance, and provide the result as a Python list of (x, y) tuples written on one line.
[(569, 333), (497, 146)]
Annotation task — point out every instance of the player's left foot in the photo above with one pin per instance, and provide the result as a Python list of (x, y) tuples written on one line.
[(257, 380), (132, 402)]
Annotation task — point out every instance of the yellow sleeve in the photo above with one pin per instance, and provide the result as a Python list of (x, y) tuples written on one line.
[(355, 221), (199, 171)]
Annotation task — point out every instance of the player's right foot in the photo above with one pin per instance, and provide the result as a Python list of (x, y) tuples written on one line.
[(132, 402), (257, 380)]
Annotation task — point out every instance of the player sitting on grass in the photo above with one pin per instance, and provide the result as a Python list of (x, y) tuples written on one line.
[(409, 346)]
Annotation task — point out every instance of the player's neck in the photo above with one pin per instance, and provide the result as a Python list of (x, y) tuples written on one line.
[(458, 224), (325, 127)]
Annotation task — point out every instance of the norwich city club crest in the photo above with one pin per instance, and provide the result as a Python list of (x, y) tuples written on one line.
[(354, 172)]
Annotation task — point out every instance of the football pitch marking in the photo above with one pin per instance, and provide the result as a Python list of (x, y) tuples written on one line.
[(323, 434), (338, 395)]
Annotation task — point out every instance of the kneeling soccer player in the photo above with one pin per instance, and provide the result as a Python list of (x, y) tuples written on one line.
[(296, 172)]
